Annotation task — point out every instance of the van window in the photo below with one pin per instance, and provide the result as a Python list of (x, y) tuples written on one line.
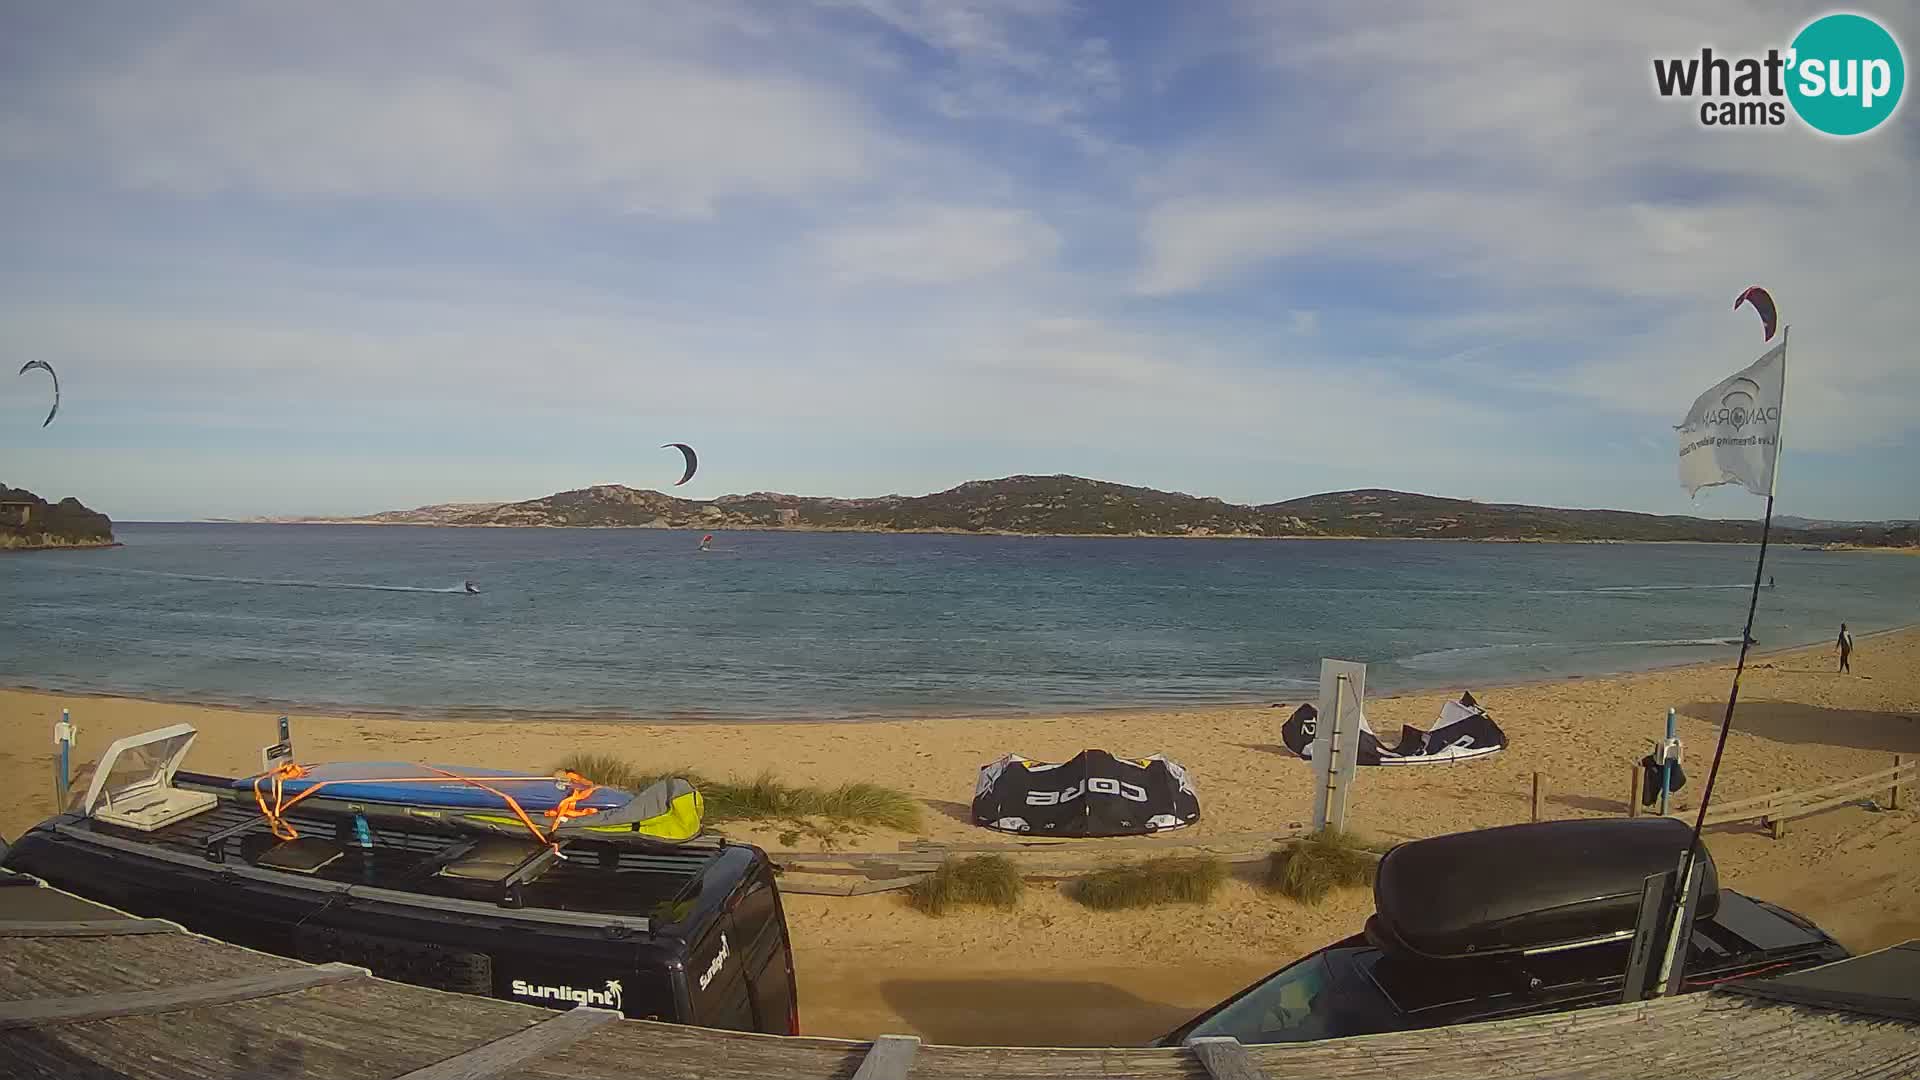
[(758, 920)]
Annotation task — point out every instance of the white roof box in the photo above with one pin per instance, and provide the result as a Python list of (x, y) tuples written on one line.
[(133, 784)]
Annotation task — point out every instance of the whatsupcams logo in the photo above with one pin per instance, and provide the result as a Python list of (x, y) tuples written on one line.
[(1842, 75)]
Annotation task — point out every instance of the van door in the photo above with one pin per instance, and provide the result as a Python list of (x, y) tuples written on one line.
[(767, 957), (716, 980)]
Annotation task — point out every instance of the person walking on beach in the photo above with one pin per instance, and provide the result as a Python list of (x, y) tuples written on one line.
[(1846, 648)]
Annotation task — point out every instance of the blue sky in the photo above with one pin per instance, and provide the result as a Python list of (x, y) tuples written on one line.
[(350, 257)]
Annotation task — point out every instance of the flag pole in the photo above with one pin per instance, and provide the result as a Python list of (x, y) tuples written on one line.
[(1684, 887)]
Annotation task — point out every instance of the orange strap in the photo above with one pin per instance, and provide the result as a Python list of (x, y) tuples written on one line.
[(568, 808)]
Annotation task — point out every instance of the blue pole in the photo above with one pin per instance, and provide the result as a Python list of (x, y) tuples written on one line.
[(1666, 766), (63, 777)]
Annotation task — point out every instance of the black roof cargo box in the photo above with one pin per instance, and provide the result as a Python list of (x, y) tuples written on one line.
[(1527, 887)]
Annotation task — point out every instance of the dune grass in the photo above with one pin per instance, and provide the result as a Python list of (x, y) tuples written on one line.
[(1170, 879), (1310, 867), (765, 797), (989, 880)]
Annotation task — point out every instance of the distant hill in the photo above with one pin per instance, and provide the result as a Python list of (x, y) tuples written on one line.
[(1075, 506), (28, 522), (1792, 522)]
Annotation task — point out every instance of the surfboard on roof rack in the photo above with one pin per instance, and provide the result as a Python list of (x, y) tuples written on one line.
[(670, 810)]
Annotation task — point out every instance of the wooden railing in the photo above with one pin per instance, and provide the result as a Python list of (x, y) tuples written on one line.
[(1776, 808)]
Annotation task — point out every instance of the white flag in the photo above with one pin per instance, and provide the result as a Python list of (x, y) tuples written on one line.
[(1732, 433)]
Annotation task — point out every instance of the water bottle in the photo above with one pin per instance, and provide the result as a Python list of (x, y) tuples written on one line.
[(360, 834)]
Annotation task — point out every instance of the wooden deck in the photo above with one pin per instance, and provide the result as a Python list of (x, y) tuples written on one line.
[(88, 992)]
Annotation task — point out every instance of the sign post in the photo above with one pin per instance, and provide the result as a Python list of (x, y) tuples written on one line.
[(1336, 740), (272, 757)]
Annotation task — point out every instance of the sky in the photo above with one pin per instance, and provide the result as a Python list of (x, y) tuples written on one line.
[(347, 257)]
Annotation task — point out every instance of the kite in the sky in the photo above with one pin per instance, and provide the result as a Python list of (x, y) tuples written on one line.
[(48, 368), (1762, 302), (693, 462)]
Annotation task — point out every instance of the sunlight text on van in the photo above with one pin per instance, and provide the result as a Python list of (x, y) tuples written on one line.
[(713, 969), (609, 996)]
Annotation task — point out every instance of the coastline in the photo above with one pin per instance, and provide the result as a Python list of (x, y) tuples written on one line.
[(515, 715), (23, 548), (689, 528), (868, 965)]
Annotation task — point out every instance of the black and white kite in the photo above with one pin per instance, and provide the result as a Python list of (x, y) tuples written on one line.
[(1094, 794), (1463, 732), (48, 368), (693, 461)]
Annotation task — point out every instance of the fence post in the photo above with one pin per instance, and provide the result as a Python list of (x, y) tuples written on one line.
[(1893, 792), (1633, 790), (1539, 795)]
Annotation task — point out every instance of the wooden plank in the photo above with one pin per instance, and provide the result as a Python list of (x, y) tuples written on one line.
[(889, 1059), (503, 1056), (1633, 791), (1820, 807), (1225, 1059), (33, 928), (1792, 803), (868, 888), (39, 1012), (846, 885), (1175, 838), (1539, 795), (1893, 793)]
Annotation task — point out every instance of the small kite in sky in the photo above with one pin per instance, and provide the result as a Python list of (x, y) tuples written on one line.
[(48, 368), (1762, 302), (693, 462)]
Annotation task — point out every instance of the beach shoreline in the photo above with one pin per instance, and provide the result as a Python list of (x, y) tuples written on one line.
[(510, 714), (868, 965)]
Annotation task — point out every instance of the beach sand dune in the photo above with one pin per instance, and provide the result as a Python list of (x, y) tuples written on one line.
[(1052, 972)]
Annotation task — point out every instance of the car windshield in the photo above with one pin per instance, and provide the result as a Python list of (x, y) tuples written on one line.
[(1325, 996)]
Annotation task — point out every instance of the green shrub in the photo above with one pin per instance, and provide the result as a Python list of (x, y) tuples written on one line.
[(1168, 880), (1310, 867), (989, 880), (765, 797)]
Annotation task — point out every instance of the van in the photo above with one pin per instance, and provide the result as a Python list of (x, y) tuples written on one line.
[(691, 933)]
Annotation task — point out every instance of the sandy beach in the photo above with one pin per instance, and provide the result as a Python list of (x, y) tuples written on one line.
[(1054, 972)]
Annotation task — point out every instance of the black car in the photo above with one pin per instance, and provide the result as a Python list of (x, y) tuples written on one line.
[(1551, 937)]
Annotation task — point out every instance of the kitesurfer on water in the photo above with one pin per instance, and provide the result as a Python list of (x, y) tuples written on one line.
[(472, 589), (706, 542)]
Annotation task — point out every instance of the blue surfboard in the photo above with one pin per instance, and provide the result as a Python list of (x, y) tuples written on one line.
[(398, 782)]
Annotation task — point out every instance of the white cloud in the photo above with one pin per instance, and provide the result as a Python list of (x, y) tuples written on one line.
[(1523, 158), (476, 113), (1014, 61), (929, 243)]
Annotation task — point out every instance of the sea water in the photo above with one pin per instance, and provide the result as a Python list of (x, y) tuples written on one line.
[(641, 623)]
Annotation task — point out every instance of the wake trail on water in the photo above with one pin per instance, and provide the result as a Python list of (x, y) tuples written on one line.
[(1652, 643), (362, 586)]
